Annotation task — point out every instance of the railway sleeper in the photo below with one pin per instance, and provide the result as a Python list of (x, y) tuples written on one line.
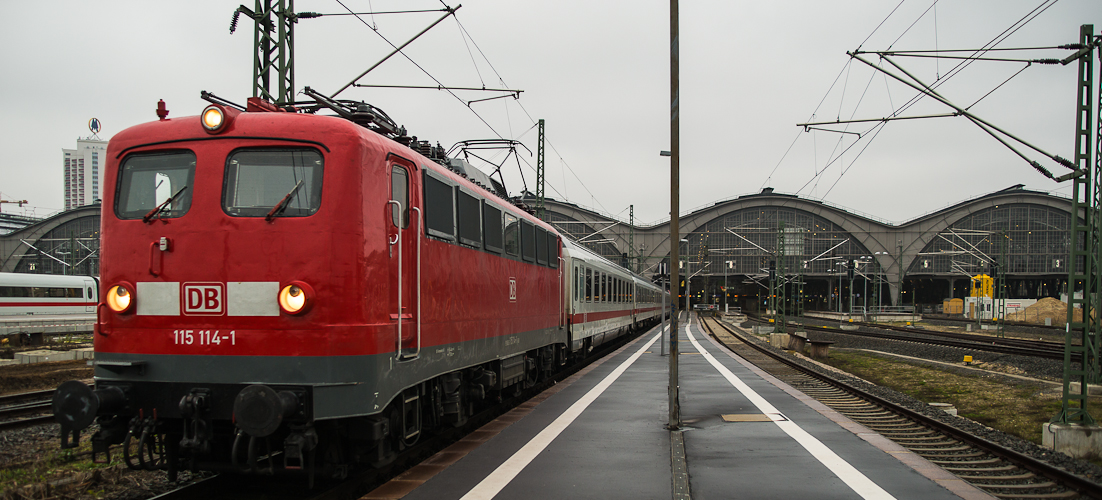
[(986, 461), (1005, 468), (1016, 477), (1027, 486), (1042, 496)]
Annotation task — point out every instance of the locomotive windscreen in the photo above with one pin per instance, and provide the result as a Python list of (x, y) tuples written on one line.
[(258, 179), (147, 180)]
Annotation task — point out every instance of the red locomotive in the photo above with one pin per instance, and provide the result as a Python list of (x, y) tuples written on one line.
[(290, 291)]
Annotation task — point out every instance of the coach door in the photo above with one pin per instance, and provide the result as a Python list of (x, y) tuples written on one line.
[(404, 238)]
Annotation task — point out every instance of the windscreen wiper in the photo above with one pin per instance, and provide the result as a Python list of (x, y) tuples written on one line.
[(282, 205), (156, 212)]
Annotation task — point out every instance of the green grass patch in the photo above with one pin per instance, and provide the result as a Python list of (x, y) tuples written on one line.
[(1016, 408)]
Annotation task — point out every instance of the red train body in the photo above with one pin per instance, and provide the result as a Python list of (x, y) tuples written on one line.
[(286, 282)]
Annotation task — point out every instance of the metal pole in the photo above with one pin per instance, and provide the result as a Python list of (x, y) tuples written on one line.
[(727, 265), (675, 234), (662, 332), (688, 279)]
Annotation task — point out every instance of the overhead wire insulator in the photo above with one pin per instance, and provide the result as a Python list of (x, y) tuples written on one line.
[(1064, 161), (233, 22), (1044, 171)]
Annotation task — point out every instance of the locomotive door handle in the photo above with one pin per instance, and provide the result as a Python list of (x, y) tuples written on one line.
[(417, 351), (100, 323), (398, 240)]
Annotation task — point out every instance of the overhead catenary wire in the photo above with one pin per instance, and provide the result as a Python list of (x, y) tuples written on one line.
[(957, 69), (423, 70)]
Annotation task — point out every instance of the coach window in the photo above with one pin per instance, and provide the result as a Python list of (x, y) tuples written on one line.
[(588, 285), (147, 181), (577, 284), (276, 182), (491, 228), (604, 287), (512, 235), (399, 192)]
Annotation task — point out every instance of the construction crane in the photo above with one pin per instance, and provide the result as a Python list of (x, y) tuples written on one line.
[(20, 202)]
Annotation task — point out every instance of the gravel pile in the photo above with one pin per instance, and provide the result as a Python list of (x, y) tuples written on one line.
[(1077, 467)]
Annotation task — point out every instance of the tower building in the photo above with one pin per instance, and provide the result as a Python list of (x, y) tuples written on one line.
[(81, 171)]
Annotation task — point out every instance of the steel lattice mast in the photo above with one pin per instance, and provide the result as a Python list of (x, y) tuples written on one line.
[(1083, 248), (273, 48)]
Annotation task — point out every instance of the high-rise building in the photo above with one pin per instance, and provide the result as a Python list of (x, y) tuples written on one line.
[(82, 167)]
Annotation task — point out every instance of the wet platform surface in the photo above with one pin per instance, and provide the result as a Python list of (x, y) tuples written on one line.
[(603, 434)]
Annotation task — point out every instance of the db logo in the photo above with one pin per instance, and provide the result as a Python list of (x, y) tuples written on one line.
[(203, 298), (512, 289)]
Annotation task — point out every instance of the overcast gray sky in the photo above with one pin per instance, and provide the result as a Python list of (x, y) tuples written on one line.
[(598, 72)]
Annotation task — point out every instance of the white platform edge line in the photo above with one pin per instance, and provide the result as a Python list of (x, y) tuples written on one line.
[(496, 481), (853, 478)]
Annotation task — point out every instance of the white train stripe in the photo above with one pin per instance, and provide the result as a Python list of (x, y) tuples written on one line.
[(504, 474), (252, 298), (853, 478), (158, 298)]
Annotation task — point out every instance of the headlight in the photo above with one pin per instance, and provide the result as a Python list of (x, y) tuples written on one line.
[(120, 298), (216, 119), (296, 298)]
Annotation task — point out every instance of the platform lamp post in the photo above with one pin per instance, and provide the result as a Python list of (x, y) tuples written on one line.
[(727, 266), (879, 284), (865, 259)]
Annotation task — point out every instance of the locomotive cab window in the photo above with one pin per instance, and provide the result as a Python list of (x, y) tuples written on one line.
[(399, 192), (280, 182), (148, 181)]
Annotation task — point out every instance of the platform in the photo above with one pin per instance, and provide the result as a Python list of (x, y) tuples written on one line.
[(47, 323), (603, 434)]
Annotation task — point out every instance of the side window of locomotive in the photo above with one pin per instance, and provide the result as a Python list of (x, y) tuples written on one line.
[(491, 228), (541, 246), (512, 235), (146, 181), (280, 182), (439, 208), (470, 220), (399, 192), (527, 241), (552, 251)]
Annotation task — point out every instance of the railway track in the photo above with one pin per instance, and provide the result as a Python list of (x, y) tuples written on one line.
[(1019, 347), (25, 409), (1001, 472)]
